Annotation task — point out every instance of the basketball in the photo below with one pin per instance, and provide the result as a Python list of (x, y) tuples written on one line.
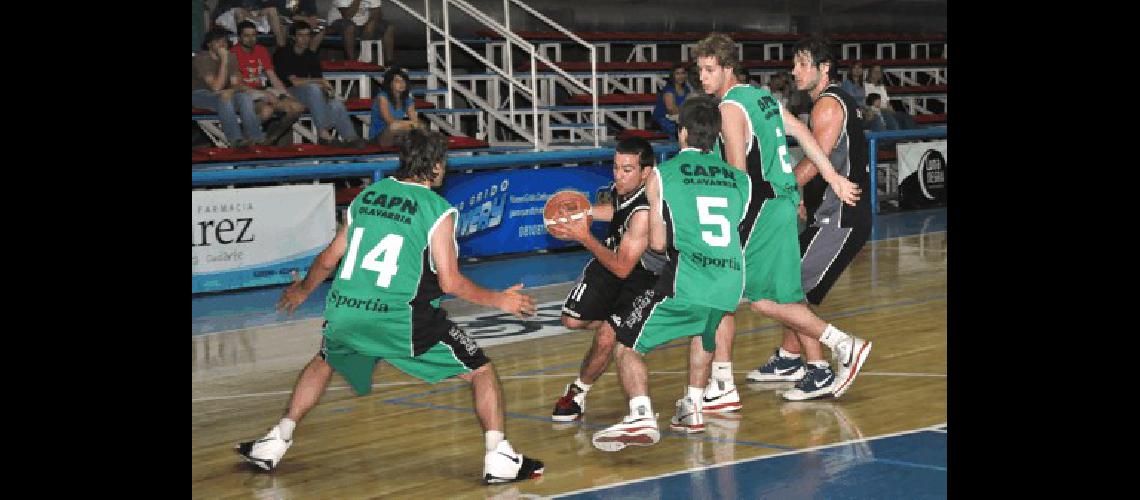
[(565, 206)]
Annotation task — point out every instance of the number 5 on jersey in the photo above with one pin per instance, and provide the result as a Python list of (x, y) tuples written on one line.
[(711, 219), (389, 248)]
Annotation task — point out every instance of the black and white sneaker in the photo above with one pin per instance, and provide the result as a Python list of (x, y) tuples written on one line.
[(817, 383), (265, 452), (505, 465), (778, 369)]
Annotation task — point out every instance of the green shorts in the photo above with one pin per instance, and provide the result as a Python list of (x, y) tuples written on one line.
[(772, 254), (439, 349), (654, 320)]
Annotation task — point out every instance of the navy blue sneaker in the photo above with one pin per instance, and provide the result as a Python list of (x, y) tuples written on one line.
[(817, 383), (778, 369)]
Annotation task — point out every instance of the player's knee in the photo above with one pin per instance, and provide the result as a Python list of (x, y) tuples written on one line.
[(605, 339), (486, 369)]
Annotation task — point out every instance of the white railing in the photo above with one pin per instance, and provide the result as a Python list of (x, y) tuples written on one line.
[(593, 90), (516, 85)]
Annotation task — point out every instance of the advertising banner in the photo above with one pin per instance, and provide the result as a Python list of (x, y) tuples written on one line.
[(922, 174), (257, 236), (501, 212)]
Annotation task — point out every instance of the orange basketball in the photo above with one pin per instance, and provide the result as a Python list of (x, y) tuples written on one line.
[(565, 206)]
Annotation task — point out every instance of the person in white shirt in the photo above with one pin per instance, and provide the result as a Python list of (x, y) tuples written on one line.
[(875, 85), (361, 20)]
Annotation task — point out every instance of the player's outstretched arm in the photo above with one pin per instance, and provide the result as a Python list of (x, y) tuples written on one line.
[(846, 190), (445, 256), (323, 266)]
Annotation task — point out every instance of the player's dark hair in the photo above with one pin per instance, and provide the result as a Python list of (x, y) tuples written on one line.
[(700, 117), (419, 153), (820, 50), (640, 147)]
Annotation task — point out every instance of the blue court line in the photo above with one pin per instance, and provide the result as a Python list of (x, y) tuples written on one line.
[(706, 438)]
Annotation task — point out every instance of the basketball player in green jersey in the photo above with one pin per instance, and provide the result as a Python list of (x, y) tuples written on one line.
[(753, 139), (696, 201), (399, 258)]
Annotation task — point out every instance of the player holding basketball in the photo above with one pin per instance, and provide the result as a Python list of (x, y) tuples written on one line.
[(384, 304), (622, 268), (753, 140), (696, 201), (837, 232)]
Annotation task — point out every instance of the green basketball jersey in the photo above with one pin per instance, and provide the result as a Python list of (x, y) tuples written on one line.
[(766, 154), (703, 200), (386, 267)]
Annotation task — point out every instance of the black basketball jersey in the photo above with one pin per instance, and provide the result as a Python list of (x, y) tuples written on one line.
[(849, 157), (623, 210)]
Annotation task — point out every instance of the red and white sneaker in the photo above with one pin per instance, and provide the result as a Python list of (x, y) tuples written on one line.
[(632, 430), (850, 356)]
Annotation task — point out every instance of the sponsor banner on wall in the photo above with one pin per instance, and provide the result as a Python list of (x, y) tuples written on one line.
[(501, 212), (258, 236), (922, 174)]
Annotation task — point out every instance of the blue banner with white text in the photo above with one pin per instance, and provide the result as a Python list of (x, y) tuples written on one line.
[(501, 212)]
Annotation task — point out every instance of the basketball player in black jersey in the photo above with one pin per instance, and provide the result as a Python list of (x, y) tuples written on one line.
[(621, 269), (836, 231)]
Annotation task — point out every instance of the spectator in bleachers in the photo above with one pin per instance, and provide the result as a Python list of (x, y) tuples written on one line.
[(362, 20), (872, 113), (853, 84), (874, 85), (670, 98), (292, 11), (300, 68), (742, 76), (262, 13), (216, 86), (778, 86), (257, 74), (393, 110)]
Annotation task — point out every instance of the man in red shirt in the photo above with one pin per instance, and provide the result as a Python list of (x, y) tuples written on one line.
[(255, 69)]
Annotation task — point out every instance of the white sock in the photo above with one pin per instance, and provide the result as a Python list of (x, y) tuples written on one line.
[(789, 355), (696, 394), (818, 364), (492, 439), (722, 372), (582, 385), (832, 336), (286, 427), (639, 406)]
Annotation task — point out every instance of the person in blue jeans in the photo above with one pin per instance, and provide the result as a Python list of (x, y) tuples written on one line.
[(215, 87), (393, 109), (670, 98), (298, 66)]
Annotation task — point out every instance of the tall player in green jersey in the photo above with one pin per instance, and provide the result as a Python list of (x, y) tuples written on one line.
[(696, 201), (399, 257), (753, 139)]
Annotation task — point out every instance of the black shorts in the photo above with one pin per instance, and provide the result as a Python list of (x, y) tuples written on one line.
[(598, 293), (825, 251)]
